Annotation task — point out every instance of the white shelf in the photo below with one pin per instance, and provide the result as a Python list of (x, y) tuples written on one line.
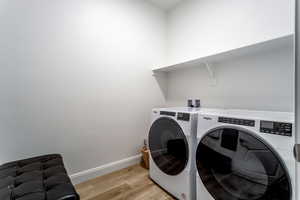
[(264, 46)]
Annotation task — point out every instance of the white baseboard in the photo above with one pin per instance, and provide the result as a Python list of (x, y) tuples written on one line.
[(104, 169)]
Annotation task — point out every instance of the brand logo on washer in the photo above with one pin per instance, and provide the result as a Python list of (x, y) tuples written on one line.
[(207, 118), (154, 111)]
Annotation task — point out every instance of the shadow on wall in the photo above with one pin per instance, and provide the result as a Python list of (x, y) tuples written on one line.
[(162, 81)]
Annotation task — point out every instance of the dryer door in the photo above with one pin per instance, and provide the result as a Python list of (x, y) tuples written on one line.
[(237, 165), (168, 146)]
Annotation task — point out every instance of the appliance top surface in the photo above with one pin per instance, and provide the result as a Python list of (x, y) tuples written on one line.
[(190, 110), (179, 109), (237, 113), (260, 115)]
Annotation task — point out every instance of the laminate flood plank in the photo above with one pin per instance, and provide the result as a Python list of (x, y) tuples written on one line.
[(104, 183), (132, 183), (113, 194), (108, 177)]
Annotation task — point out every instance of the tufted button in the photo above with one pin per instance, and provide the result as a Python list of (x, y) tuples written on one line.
[(7, 182)]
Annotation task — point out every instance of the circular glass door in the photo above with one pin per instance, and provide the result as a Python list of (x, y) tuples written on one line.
[(236, 165), (168, 146)]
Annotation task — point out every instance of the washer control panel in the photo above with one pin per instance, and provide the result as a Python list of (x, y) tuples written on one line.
[(276, 128), (243, 122)]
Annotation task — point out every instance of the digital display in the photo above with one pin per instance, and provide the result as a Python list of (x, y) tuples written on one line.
[(266, 124), (276, 128)]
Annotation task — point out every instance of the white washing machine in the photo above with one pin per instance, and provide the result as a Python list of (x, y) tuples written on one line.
[(172, 141), (245, 155)]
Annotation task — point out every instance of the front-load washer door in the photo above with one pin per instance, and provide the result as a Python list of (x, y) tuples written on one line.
[(168, 146), (237, 165)]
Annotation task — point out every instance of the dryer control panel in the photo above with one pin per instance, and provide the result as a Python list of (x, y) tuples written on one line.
[(277, 128)]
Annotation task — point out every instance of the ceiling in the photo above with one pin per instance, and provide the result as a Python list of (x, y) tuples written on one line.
[(166, 4)]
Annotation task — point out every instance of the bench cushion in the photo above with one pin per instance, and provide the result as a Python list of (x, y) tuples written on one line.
[(38, 178)]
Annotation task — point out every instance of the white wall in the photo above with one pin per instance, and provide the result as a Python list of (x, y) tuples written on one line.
[(257, 81), (76, 79), (204, 27), (200, 28)]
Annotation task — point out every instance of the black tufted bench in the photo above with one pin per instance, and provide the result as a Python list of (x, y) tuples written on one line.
[(38, 178)]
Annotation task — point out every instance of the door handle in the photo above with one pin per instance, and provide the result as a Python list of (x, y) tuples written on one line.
[(296, 151)]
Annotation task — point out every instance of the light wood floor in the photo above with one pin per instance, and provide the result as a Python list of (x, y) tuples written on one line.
[(131, 183)]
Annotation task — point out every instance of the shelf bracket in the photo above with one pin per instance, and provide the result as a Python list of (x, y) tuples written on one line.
[(211, 74)]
